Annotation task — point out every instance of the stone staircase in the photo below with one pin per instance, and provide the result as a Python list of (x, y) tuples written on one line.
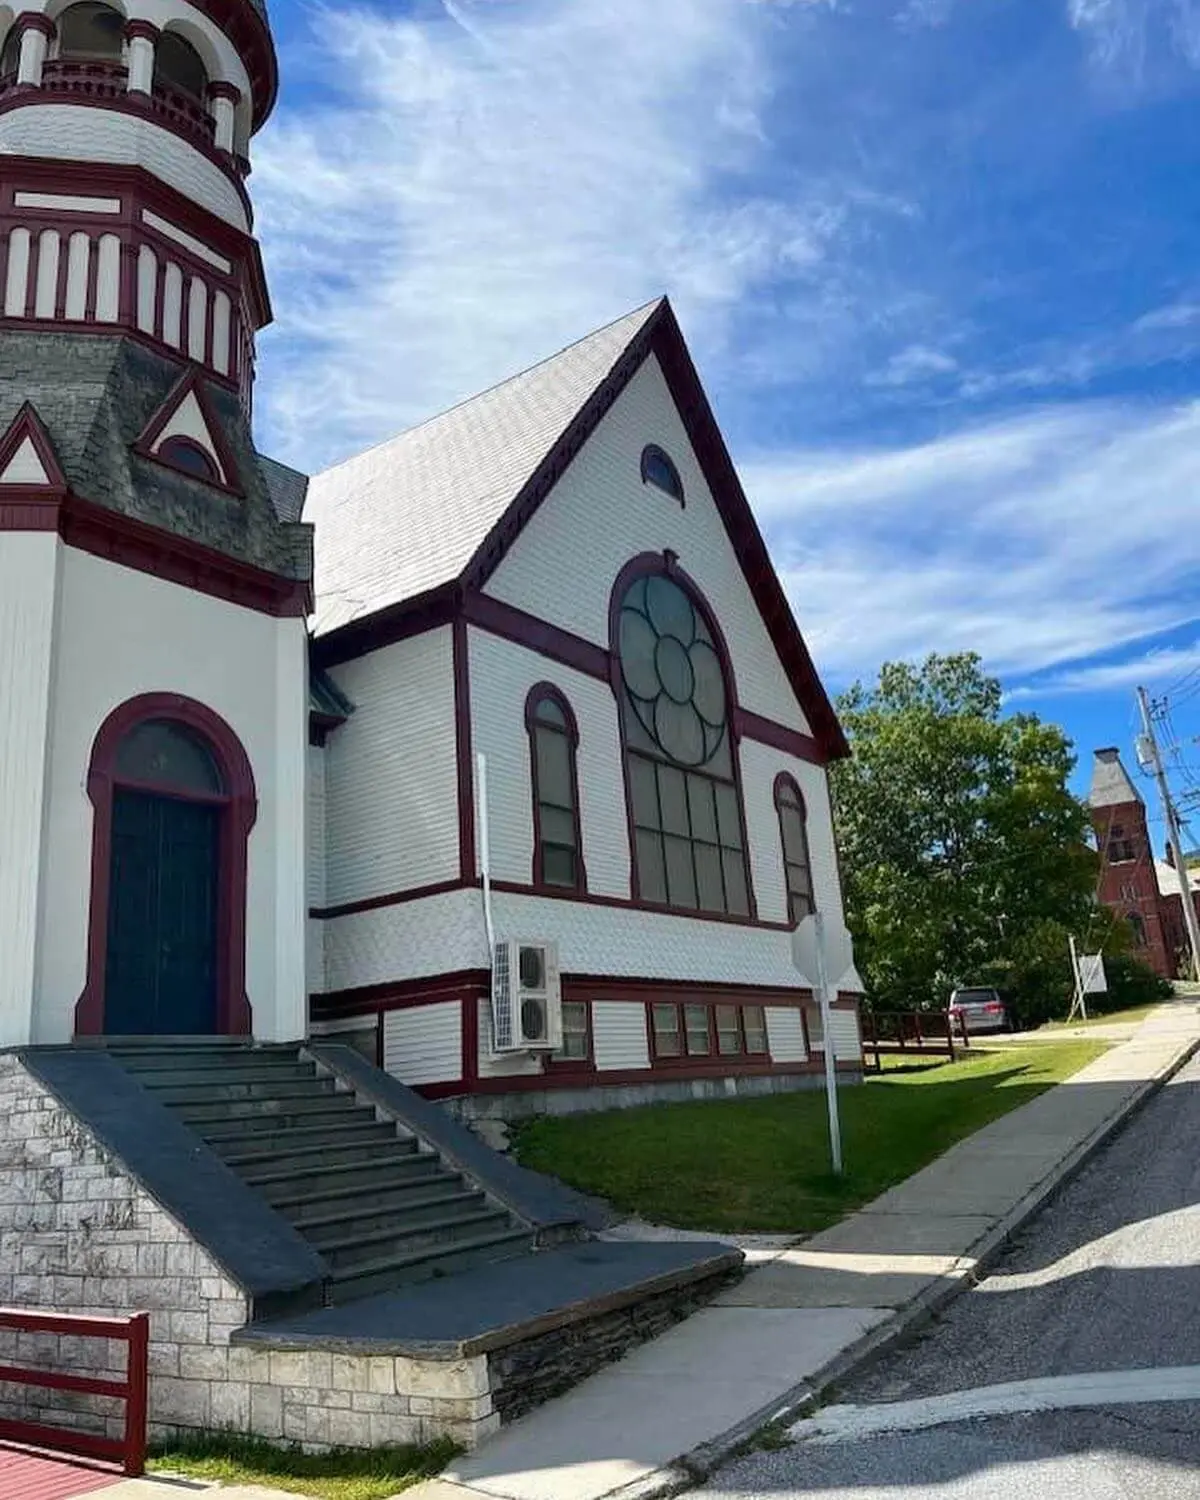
[(378, 1208)]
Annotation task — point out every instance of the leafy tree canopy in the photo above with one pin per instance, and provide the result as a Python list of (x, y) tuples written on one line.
[(965, 856)]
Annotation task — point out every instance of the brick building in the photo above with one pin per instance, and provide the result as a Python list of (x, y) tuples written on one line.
[(1145, 891)]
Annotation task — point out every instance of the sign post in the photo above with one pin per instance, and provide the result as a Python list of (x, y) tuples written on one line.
[(1090, 979), (818, 952)]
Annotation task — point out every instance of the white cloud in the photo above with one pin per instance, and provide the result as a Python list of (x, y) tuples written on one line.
[(917, 362), (1048, 538), (1160, 665), (490, 182)]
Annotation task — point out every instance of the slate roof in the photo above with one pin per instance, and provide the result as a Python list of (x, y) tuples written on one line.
[(1168, 878), (409, 515), (287, 487), (95, 396), (1111, 786)]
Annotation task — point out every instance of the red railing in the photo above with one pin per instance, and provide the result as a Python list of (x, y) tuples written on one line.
[(108, 83), (912, 1031), (130, 1450)]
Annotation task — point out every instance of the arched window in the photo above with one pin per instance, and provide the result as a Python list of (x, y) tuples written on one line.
[(1139, 929), (10, 53), (178, 66), (659, 470), (162, 754), (689, 845), (184, 454), (90, 31), (793, 835), (553, 741)]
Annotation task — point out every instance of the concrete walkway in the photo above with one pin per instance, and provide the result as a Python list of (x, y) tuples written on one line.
[(668, 1412)]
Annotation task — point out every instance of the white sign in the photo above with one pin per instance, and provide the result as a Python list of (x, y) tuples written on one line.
[(837, 958), (1091, 974)]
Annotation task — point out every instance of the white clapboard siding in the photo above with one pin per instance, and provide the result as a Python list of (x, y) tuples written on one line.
[(847, 1044), (619, 1036), (785, 1034), (424, 1044)]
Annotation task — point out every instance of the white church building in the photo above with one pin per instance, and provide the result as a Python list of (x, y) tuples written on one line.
[(495, 750)]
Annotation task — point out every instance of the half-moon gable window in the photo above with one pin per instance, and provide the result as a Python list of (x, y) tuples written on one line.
[(659, 470), (793, 833), (685, 804), (191, 457), (160, 753), (557, 838)]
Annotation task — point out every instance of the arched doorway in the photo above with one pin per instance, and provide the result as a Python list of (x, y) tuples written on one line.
[(174, 804)]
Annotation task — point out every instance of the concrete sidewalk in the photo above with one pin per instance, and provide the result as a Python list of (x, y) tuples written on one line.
[(666, 1414)]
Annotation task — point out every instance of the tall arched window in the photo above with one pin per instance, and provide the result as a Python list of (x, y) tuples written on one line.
[(689, 844), (793, 836), (1139, 929), (10, 53), (90, 32), (179, 67), (553, 742)]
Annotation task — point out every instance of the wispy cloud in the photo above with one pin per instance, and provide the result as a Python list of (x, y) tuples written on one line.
[(1038, 540), (491, 181), (1155, 666)]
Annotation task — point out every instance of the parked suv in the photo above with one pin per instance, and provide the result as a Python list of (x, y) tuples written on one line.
[(982, 1009)]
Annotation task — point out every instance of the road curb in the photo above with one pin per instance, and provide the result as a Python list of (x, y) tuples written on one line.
[(694, 1467)]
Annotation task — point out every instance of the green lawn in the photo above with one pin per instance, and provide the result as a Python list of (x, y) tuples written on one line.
[(762, 1164), (342, 1475), (1116, 1018)]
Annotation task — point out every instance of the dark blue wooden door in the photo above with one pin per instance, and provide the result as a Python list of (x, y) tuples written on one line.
[(161, 968)]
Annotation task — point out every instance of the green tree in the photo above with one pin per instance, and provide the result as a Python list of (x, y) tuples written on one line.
[(965, 855)]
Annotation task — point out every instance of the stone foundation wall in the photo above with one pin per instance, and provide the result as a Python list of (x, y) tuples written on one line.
[(524, 1375), (78, 1234)]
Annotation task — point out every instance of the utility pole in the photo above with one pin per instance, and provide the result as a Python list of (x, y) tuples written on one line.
[(1150, 759)]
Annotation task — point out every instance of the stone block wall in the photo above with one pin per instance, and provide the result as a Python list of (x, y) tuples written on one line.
[(79, 1234)]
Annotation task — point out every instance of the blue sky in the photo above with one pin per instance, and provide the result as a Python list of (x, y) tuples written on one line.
[(938, 261)]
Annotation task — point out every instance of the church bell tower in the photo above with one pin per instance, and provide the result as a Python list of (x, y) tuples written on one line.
[(154, 573)]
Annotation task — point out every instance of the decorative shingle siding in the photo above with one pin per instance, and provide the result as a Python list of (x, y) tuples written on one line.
[(390, 779), (101, 135), (411, 940), (619, 1038), (501, 676), (424, 1045), (600, 514), (610, 940), (785, 1035)]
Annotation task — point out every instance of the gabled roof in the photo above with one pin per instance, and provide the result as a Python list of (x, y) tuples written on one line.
[(1169, 883), (409, 515), (27, 456), (433, 511), (1111, 786)]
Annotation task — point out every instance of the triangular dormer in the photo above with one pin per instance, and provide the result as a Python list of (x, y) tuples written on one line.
[(27, 457), (186, 435)]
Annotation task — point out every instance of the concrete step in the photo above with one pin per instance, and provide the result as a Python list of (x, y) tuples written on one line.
[(179, 1096), (444, 1235), (352, 1205), (366, 1145), (365, 1216), (214, 1077), (286, 1187), (166, 1058), (380, 1275), (229, 1117)]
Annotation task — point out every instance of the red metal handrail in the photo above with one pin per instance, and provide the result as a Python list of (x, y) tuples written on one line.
[(130, 1450)]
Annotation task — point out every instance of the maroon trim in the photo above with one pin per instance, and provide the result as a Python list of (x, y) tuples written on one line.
[(191, 382), (539, 693), (30, 20), (238, 815), (398, 622), (785, 782), (146, 31), (28, 510), (27, 424), (221, 88), (393, 898), (752, 726), (398, 994), (657, 565), (537, 635), (661, 336), (463, 753)]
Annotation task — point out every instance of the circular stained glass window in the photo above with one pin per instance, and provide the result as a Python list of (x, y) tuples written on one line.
[(672, 674)]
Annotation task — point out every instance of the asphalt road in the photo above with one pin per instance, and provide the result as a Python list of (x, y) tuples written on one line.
[(1106, 1279)]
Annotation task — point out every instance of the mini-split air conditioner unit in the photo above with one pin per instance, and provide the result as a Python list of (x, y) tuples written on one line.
[(526, 997)]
